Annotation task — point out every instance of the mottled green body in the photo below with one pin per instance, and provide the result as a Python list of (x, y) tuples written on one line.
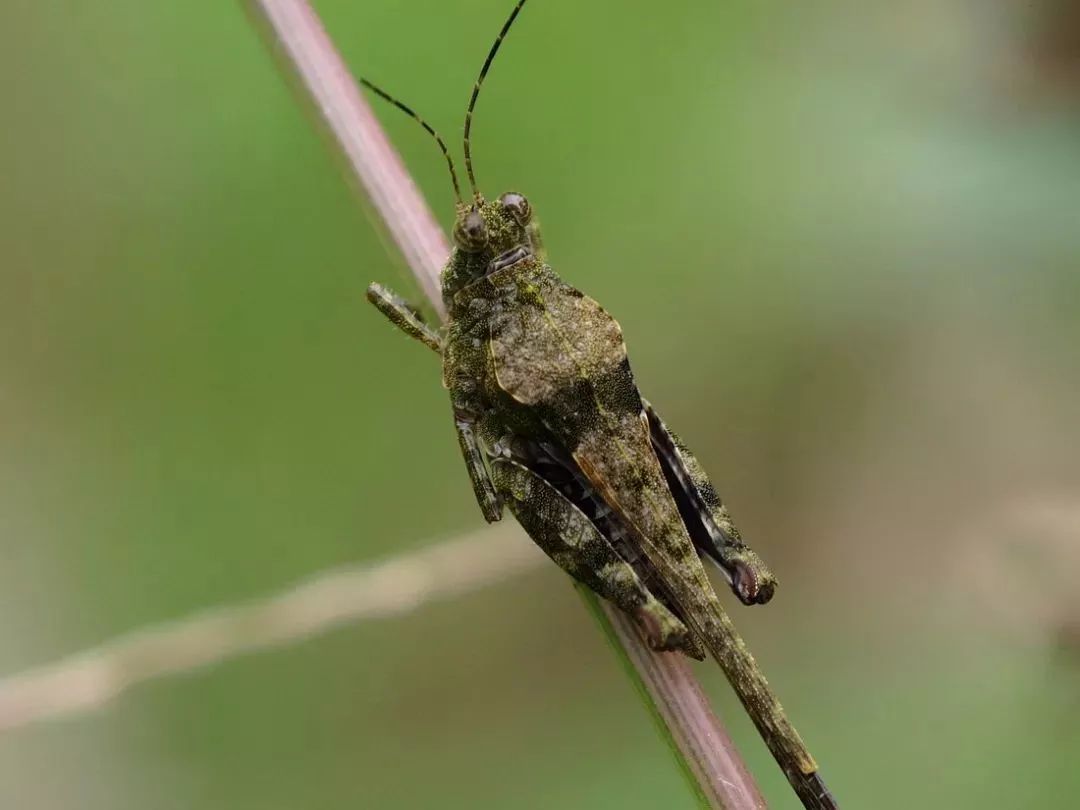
[(551, 423), (552, 426)]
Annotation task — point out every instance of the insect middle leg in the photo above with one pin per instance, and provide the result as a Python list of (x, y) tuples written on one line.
[(483, 487), (569, 538)]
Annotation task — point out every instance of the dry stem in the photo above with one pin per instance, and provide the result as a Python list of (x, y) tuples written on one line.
[(93, 678)]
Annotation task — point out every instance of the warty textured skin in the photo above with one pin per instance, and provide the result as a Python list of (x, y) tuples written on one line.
[(541, 385), (552, 426)]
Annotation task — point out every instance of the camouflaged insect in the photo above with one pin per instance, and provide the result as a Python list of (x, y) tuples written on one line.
[(552, 426)]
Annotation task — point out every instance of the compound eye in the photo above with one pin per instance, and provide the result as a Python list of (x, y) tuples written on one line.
[(518, 206), (470, 233)]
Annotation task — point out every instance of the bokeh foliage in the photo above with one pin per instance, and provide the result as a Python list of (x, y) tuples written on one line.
[(842, 242)]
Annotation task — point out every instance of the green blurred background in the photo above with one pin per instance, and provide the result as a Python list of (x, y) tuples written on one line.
[(842, 239)]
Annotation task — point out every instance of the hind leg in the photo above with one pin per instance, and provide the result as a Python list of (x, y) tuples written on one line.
[(569, 538), (716, 538)]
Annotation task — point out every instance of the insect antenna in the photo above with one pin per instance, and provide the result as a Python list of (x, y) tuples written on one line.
[(438, 139), (476, 92)]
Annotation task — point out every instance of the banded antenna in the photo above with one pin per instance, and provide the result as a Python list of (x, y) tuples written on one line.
[(438, 139), (476, 92)]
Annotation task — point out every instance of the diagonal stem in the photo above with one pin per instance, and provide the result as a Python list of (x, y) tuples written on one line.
[(386, 182)]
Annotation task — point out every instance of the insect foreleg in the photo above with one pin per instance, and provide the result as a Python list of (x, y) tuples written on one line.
[(569, 538), (404, 316)]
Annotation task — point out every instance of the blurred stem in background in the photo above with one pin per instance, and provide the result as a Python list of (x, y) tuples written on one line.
[(93, 678)]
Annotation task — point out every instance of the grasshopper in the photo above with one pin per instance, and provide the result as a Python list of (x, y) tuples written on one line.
[(551, 426)]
